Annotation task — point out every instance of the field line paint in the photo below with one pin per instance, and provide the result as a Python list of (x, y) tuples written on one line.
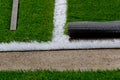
[(60, 41)]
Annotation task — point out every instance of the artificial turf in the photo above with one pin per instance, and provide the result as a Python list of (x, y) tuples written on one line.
[(35, 21), (57, 75), (93, 10)]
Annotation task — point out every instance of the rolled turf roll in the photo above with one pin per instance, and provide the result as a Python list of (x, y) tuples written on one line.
[(94, 29)]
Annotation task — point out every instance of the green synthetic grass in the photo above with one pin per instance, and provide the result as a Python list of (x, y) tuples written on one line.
[(93, 10), (56, 75), (35, 21)]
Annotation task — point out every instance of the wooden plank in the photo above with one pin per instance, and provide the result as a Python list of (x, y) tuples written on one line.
[(14, 15)]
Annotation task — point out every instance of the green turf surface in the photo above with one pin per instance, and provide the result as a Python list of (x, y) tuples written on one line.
[(35, 21), (56, 75), (93, 10)]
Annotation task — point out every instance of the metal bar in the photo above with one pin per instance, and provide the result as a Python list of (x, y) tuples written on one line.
[(94, 29)]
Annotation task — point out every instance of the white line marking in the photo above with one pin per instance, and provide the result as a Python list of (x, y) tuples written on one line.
[(60, 41)]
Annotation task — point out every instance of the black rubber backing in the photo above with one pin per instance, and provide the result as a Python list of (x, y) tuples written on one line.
[(94, 29)]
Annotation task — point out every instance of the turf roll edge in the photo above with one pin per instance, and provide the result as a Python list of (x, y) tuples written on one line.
[(94, 29)]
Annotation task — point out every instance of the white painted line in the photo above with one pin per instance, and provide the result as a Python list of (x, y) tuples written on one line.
[(60, 41), (13, 24), (59, 21)]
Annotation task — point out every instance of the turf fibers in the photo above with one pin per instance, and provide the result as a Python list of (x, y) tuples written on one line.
[(35, 21), (57, 75), (93, 10)]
